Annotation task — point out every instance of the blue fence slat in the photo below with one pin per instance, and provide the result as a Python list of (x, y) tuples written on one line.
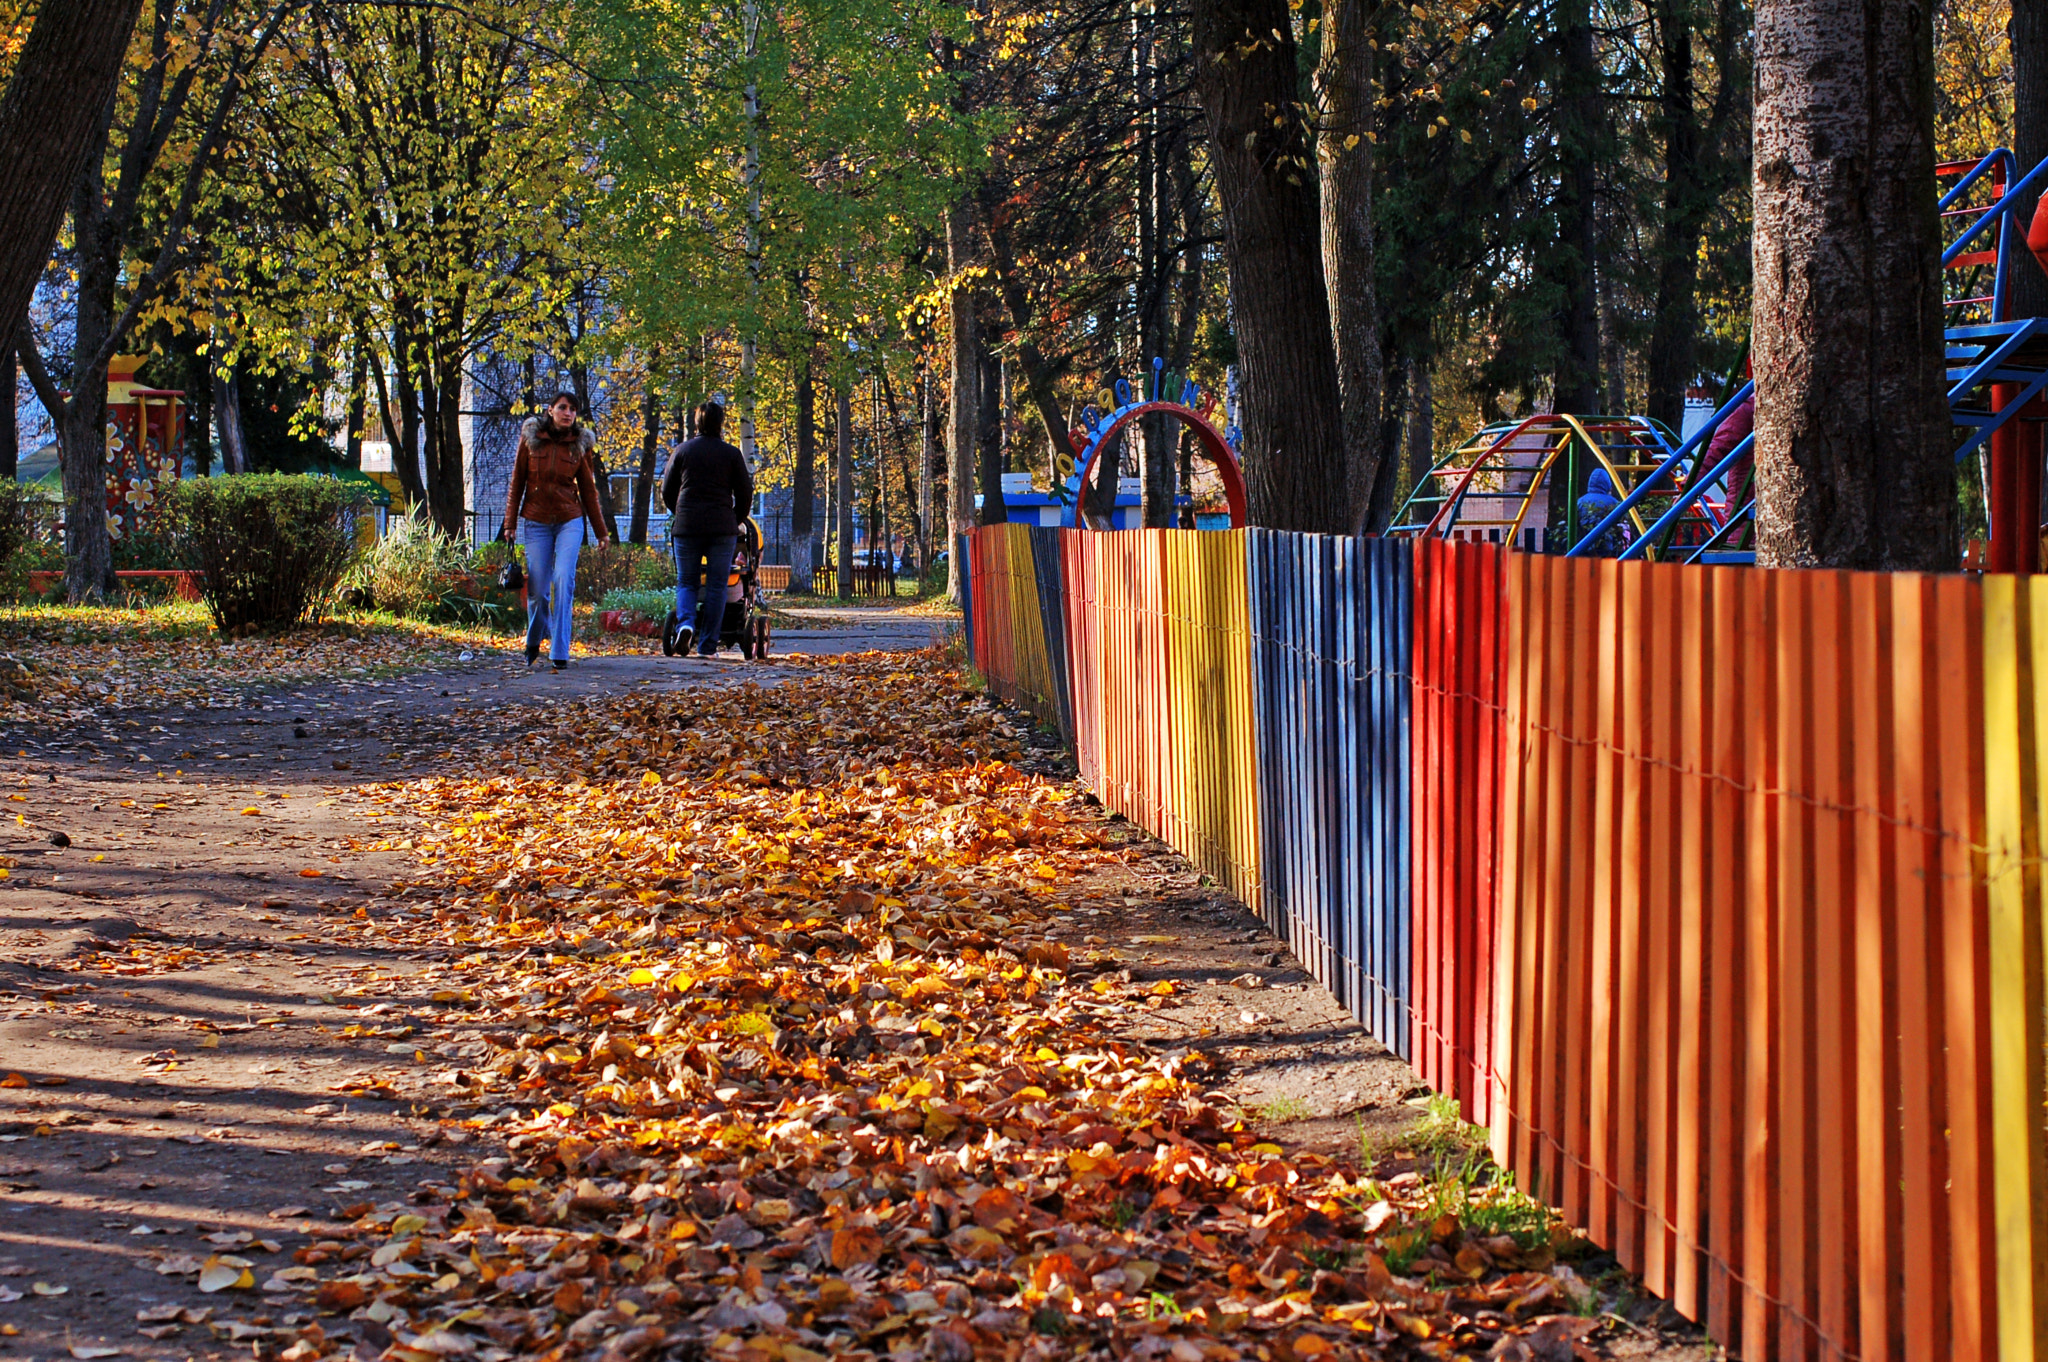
[(963, 573), (1330, 625)]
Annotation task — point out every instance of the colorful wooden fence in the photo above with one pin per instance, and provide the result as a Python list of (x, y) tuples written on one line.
[(1715, 893)]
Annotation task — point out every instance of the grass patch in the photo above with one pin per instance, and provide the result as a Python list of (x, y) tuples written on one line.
[(1281, 1110), (1443, 1132)]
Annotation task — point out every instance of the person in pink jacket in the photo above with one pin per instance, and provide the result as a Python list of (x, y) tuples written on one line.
[(1735, 427)]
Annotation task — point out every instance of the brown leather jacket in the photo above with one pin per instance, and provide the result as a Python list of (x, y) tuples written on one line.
[(552, 481)]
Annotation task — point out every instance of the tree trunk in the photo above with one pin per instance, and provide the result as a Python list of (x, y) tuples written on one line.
[(1674, 327), (1853, 462), (406, 458), (1153, 435), (227, 410), (1576, 379), (911, 506), (442, 399), (803, 551), (52, 123), (925, 455), (10, 431), (1344, 78), (843, 491), (1293, 452), (2027, 288), (1392, 483), (650, 448), (358, 383), (1420, 456), (199, 419), (964, 397), (1038, 374), (990, 444), (88, 549), (579, 381)]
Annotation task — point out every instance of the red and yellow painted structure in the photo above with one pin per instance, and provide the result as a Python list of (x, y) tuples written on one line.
[(1715, 894)]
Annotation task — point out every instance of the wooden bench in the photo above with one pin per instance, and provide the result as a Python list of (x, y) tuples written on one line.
[(184, 585)]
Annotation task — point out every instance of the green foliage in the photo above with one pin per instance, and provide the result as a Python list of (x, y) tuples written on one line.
[(412, 570), (271, 546), (22, 549), (857, 146), (157, 549), (1443, 1131), (282, 424), (417, 572), (1499, 1208), (650, 604), (621, 567)]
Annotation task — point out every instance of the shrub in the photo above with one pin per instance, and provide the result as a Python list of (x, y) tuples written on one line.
[(271, 546), (621, 567), (654, 569), (158, 549), (23, 546)]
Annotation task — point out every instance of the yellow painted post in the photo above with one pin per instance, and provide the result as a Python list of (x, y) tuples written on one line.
[(2014, 615)]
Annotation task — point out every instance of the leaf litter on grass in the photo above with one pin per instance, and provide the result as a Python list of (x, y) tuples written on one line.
[(68, 664), (741, 982)]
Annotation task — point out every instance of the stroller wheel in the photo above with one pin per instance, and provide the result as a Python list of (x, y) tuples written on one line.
[(747, 642), (761, 637), (668, 634)]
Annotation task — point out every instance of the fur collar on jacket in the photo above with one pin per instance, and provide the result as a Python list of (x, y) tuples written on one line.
[(532, 433)]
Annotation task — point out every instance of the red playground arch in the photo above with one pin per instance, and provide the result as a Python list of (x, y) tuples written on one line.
[(1214, 446)]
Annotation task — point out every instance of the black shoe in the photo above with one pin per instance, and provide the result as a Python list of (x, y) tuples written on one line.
[(668, 635), (561, 666), (532, 652), (685, 636)]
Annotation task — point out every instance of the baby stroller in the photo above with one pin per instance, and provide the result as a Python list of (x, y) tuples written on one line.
[(745, 623)]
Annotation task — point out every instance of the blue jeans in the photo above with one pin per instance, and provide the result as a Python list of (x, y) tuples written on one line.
[(551, 582), (703, 610)]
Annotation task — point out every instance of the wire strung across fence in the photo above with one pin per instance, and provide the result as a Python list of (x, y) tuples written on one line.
[(1715, 894)]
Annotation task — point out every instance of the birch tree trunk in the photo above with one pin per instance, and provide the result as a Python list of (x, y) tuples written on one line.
[(1245, 74), (1853, 462)]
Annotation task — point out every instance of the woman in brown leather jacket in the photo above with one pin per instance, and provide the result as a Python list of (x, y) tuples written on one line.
[(554, 492)]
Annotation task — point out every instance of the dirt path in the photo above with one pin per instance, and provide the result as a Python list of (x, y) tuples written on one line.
[(194, 1063), (204, 1083)]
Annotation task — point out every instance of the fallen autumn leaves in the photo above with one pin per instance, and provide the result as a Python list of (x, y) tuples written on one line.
[(750, 990)]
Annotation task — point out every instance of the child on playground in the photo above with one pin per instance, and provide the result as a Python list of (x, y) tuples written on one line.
[(1595, 506)]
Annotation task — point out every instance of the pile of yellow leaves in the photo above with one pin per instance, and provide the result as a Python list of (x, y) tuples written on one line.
[(747, 982)]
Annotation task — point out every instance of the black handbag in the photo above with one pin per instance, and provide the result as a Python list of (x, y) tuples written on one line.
[(511, 577)]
